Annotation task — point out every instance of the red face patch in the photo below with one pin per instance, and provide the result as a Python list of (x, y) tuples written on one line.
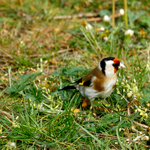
[(116, 61), (115, 70)]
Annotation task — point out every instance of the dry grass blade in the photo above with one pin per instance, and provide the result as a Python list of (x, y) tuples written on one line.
[(5, 113), (115, 137)]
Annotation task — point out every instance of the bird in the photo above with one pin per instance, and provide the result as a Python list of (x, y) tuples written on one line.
[(100, 82)]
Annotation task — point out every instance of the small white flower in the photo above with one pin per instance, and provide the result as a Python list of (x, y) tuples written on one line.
[(135, 110), (130, 94), (17, 117), (22, 43), (145, 115), (145, 138), (132, 127), (129, 32), (116, 143), (12, 144), (121, 129), (142, 113), (88, 27), (135, 89), (106, 38), (102, 29), (148, 104), (106, 18), (121, 11)]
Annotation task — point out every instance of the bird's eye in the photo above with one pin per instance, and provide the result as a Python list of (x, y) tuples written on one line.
[(116, 65)]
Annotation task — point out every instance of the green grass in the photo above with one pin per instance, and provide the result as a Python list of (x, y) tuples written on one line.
[(40, 55)]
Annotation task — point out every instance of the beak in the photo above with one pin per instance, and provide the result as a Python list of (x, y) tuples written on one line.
[(122, 66)]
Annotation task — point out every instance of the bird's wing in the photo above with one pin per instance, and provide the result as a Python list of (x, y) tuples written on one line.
[(81, 81), (88, 79)]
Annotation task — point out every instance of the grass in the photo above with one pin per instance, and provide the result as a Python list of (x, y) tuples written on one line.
[(39, 55)]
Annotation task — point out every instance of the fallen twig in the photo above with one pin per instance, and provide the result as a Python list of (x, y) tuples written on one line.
[(81, 15), (101, 18), (90, 17), (141, 125), (7, 131)]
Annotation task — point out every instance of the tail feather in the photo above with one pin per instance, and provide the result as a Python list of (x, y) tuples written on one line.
[(68, 87)]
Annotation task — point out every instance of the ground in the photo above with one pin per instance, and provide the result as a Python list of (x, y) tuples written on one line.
[(46, 45)]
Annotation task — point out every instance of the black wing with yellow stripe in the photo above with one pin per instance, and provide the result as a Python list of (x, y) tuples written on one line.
[(79, 82), (82, 82)]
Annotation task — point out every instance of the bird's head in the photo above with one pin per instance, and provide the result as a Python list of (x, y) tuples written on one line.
[(110, 65)]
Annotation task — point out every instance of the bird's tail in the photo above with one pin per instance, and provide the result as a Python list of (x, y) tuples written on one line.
[(68, 87)]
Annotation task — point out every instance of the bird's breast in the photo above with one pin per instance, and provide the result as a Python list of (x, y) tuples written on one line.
[(109, 85), (100, 88)]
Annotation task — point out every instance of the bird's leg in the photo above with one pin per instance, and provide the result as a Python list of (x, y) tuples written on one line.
[(93, 110), (86, 102), (94, 113), (105, 106)]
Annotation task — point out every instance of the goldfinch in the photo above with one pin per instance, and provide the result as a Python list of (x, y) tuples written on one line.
[(100, 82)]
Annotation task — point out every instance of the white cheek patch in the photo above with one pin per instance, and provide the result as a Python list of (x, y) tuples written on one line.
[(109, 62), (109, 69)]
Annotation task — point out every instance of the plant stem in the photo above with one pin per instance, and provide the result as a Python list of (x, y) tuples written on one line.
[(9, 75), (113, 13), (125, 14)]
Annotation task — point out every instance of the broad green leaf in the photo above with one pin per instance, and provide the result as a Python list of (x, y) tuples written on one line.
[(145, 20)]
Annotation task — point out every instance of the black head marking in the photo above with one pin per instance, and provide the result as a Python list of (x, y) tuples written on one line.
[(103, 64), (109, 58), (116, 66)]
